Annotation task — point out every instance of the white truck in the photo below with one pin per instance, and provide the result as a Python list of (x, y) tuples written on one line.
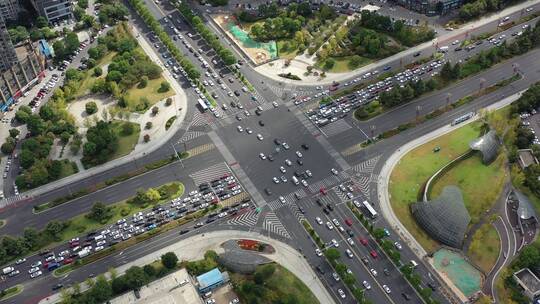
[(7, 270), (83, 253)]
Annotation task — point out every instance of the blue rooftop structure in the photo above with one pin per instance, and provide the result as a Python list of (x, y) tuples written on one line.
[(212, 279), (44, 48)]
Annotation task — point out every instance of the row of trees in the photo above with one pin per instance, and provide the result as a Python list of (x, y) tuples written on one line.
[(398, 95), (11, 141), (101, 290), (224, 53), (275, 28), (65, 47), (477, 8), (40, 30), (333, 255), (155, 26)]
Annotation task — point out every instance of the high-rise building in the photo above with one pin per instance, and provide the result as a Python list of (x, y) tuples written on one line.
[(431, 7), (8, 57), (9, 9), (53, 10)]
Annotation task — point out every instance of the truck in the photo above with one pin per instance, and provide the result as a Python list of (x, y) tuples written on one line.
[(52, 266), (84, 253), (7, 270)]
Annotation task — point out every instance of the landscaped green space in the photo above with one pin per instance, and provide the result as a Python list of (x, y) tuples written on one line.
[(485, 247), (270, 284), (126, 142), (415, 168), (140, 99), (11, 292), (68, 168), (342, 64), (285, 51)]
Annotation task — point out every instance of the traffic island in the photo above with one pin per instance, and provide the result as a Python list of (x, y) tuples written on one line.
[(11, 292)]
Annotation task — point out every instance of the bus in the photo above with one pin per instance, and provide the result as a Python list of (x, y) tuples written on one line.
[(462, 118), (370, 209), (203, 105)]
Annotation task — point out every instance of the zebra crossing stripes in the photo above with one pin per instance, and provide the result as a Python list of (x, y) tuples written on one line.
[(363, 183), (248, 218), (336, 128), (290, 199), (299, 216), (273, 224), (10, 200), (190, 135), (210, 173), (367, 166), (200, 149), (199, 119), (328, 182)]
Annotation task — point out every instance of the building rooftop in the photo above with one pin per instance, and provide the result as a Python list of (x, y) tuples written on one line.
[(528, 280), (210, 278), (526, 158), (525, 210), (445, 218), (488, 145)]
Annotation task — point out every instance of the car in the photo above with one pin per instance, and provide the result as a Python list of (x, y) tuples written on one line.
[(14, 273), (240, 129), (262, 156), (373, 272), (277, 141), (305, 147), (33, 269), (386, 232), (20, 261), (259, 137), (308, 172), (236, 93), (275, 104), (335, 243), (318, 252), (275, 179), (349, 253), (406, 296), (336, 276), (283, 178), (57, 286), (334, 171), (386, 288), (288, 162), (36, 264), (282, 169), (299, 162), (319, 220), (304, 183), (416, 54), (373, 254), (282, 199), (36, 274), (350, 241), (365, 260), (298, 153), (366, 285), (398, 245), (248, 130), (319, 269), (329, 225), (341, 293), (261, 123)]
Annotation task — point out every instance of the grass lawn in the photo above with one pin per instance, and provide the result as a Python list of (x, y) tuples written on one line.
[(126, 143), (417, 166), (342, 64), (480, 184), (485, 247), (88, 81), (150, 92), (81, 224), (372, 109), (11, 292), (281, 285)]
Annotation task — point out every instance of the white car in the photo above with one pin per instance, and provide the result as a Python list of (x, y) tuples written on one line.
[(318, 220), (341, 293), (298, 154), (240, 129), (349, 253), (282, 169), (101, 243), (33, 269), (275, 179), (275, 104), (318, 252), (336, 276), (20, 261), (350, 241), (366, 285), (249, 131), (304, 183), (282, 199), (329, 225), (335, 243), (35, 274), (386, 288), (259, 137), (98, 248), (373, 272), (285, 146), (308, 172), (398, 245), (288, 162), (262, 156)]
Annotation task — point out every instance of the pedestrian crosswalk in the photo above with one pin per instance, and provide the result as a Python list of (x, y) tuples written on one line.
[(200, 119), (363, 182), (367, 166), (341, 125), (286, 92), (290, 199), (201, 149), (352, 149), (190, 135), (299, 216), (10, 200), (248, 218), (210, 173), (274, 225), (327, 183)]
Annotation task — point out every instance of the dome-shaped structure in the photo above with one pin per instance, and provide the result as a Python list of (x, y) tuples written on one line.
[(445, 218), (488, 145)]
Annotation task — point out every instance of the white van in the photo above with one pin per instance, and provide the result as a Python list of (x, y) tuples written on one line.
[(295, 180), (414, 264), (99, 237), (443, 49)]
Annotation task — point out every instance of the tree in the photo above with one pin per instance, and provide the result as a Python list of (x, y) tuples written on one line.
[(54, 169), (119, 285), (146, 138), (332, 254), (149, 270), (18, 34), (148, 125), (59, 50), (155, 110), (143, 83), (263, 273), (8, 146), (54, 228), (329, 64), (98, 71), (135, 277), (152, 195), (169, 260), (168, 102), (164, 87), (127, 128), (90, 107), (379, 234), (99, 212), (355, 61), (447, 72), (71, 42), (41, 22)]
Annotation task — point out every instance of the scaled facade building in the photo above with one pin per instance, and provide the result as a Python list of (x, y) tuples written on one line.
[(53, 10)]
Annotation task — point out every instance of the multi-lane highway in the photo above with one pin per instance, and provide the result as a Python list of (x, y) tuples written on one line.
[(308, 149)]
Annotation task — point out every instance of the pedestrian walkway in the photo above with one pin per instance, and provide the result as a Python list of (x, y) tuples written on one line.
[(366, 166), (335, 128), (201, 149), (247, 218), (210, 173), (325, 183), (190, 135)]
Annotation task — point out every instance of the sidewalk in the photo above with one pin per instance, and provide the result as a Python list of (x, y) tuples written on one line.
[(180, 102), (193, 248), (272, 69), (393, 160)]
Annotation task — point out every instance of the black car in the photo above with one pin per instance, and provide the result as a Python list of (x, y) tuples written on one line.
[(268, 191), (236, 93), (433, 287), (210, 220), (319, 269), (416, 54), (184, 231), (326, 211), (458, 49), (302, 210), (350, 232), (270, 158), (305, 147), (57, 286), (277, 141), (319, 202), (300, 162), (330, 207), (406, 296), (261, 123)]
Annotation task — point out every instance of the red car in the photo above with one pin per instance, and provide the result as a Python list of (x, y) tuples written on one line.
[(363, 241), (348, 222), (73, 244), (68, 261), (373, 253), (323, 191)]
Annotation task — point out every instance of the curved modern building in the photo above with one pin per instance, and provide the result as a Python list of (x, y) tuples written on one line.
[(445, 218), (488, 145)]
